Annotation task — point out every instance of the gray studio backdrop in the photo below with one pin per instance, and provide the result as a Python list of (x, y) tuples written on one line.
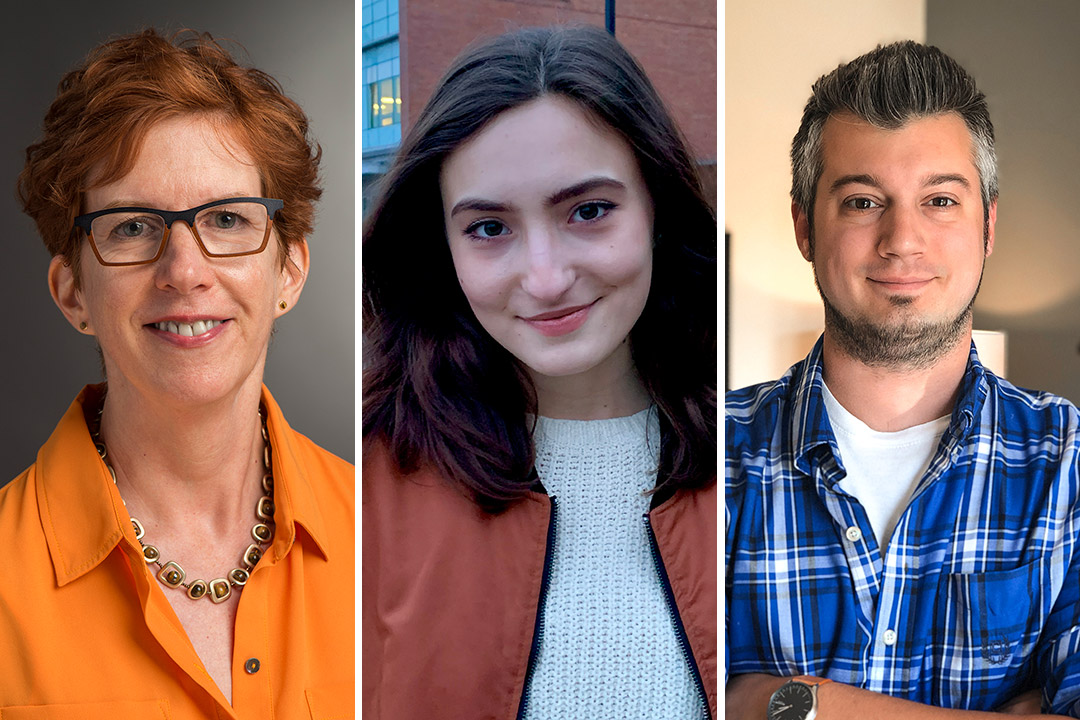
[(308, 47)]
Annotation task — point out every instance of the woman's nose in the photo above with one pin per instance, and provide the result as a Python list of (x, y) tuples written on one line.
[(549, 270), (182, 266)]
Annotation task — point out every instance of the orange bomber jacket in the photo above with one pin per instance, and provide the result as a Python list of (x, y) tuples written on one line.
[(450, 593)]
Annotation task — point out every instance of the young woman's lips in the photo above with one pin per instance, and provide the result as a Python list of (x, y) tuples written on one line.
[(560, 322)]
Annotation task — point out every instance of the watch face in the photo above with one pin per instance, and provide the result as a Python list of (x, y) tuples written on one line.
[(791, 702)]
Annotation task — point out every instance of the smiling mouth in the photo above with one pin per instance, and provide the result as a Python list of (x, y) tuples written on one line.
[(199, 327), (560, 322), (901, 283)]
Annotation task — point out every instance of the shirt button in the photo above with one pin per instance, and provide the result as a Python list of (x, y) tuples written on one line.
[(889, 637), (252, 666), (853, 534)]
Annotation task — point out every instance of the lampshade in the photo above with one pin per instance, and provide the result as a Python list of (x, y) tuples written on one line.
[(991, 345)]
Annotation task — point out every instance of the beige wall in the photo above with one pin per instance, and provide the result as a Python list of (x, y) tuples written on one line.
[(774, 52), (1026, 59)]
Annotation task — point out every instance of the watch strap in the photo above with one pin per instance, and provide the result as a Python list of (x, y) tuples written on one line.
[(810, 680)]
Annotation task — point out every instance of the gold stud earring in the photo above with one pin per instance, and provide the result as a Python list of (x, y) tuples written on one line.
[(283, 304), (82, 326)]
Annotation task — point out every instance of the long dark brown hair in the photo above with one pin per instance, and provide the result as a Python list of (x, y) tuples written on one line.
[(438, 390)]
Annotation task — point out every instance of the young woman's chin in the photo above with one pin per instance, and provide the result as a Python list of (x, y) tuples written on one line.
[(567, 364)]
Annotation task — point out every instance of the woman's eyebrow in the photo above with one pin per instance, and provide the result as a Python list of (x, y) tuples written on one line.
[(585, 186), (479, 205), (559, 196)]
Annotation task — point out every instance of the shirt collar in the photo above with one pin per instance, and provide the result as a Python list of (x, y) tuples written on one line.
[(294, 494), (811, 434), (84, 518), (82, 513)]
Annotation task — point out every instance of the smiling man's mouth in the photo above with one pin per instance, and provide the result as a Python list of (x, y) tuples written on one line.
[(198, 327)]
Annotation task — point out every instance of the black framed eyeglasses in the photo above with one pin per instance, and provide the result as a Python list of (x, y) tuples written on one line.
[(138, 235)]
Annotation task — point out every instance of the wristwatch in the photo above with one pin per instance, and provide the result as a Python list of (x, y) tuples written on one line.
[(796, 699)]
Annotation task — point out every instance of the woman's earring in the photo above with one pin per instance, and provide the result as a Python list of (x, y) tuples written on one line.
[(82, 326), (283, 304)]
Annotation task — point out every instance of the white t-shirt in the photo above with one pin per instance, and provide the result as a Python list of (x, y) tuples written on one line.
[(883, 468)]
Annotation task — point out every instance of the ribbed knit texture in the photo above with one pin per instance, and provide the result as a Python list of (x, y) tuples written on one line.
[(609, 646)]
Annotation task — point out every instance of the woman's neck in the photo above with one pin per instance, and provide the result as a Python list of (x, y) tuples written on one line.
[(172, 462), (611, 389)]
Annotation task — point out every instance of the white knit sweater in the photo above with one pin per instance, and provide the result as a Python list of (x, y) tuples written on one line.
[(608, 648)]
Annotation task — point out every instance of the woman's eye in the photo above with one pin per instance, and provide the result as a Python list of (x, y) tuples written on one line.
[(862, 203), (487, 229), (129, 228), (591, 211), (132, 228), (222, 220), (942, 202)]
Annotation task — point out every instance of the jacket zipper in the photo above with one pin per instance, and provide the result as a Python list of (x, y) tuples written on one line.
[(538, 631), (680, 631)]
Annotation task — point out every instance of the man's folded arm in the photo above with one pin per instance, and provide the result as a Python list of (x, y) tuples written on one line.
[(747, 696)]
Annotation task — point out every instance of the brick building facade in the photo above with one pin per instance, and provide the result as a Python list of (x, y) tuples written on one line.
[(675, 41)]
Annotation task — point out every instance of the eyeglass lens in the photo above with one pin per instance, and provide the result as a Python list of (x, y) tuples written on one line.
[(229, 229)]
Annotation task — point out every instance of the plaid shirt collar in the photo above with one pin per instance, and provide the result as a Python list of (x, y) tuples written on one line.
[(811, 433)]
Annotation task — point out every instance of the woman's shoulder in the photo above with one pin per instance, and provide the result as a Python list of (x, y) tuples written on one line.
[(18, 502), (381, 471)]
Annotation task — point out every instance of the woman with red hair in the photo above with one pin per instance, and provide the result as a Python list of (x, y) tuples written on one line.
[(177, 548)]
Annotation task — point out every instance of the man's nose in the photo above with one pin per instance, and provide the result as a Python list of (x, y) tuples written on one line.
[(902, 231)]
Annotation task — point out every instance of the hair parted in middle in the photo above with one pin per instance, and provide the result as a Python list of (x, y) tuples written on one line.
[(438, 390), (104, 108), (887, 87)]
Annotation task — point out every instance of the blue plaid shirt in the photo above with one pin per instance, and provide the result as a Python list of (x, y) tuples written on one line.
[(977, 597)]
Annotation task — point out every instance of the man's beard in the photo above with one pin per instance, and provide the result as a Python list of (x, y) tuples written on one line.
[(907, 344)]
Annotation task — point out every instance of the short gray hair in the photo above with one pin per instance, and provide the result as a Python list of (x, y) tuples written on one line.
[(886, 88)]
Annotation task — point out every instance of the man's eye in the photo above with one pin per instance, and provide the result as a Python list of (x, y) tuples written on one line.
[(589, 211), (862, 203), (942, 202), (487, 229)]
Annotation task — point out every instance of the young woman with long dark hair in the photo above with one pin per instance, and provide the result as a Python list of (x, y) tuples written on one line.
[(539, 472)]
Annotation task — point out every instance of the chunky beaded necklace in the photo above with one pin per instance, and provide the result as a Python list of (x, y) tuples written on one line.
[(173, 576)]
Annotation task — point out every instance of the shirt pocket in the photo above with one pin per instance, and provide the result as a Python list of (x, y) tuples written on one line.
[(982, 630), (143, 709), (331, 702)]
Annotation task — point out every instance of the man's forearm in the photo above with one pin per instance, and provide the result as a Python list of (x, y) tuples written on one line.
[(747, 696)]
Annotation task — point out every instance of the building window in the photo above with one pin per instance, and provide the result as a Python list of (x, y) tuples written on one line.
[(382, 94), (380, 20), (384, 102)]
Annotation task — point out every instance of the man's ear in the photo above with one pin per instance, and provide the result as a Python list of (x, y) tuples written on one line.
[(991, 220), (293, 276), (802, 232), (68, 297)]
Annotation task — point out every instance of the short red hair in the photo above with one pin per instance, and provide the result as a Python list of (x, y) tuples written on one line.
[(104, 108)]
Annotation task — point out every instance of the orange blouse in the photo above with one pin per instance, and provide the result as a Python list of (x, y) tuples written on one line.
[(87, 632)]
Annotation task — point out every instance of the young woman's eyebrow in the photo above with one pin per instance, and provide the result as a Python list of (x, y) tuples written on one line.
[(585, 186), (580, 188), (479, 205)]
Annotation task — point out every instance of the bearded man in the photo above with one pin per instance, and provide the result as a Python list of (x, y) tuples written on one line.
[(903, 527)]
